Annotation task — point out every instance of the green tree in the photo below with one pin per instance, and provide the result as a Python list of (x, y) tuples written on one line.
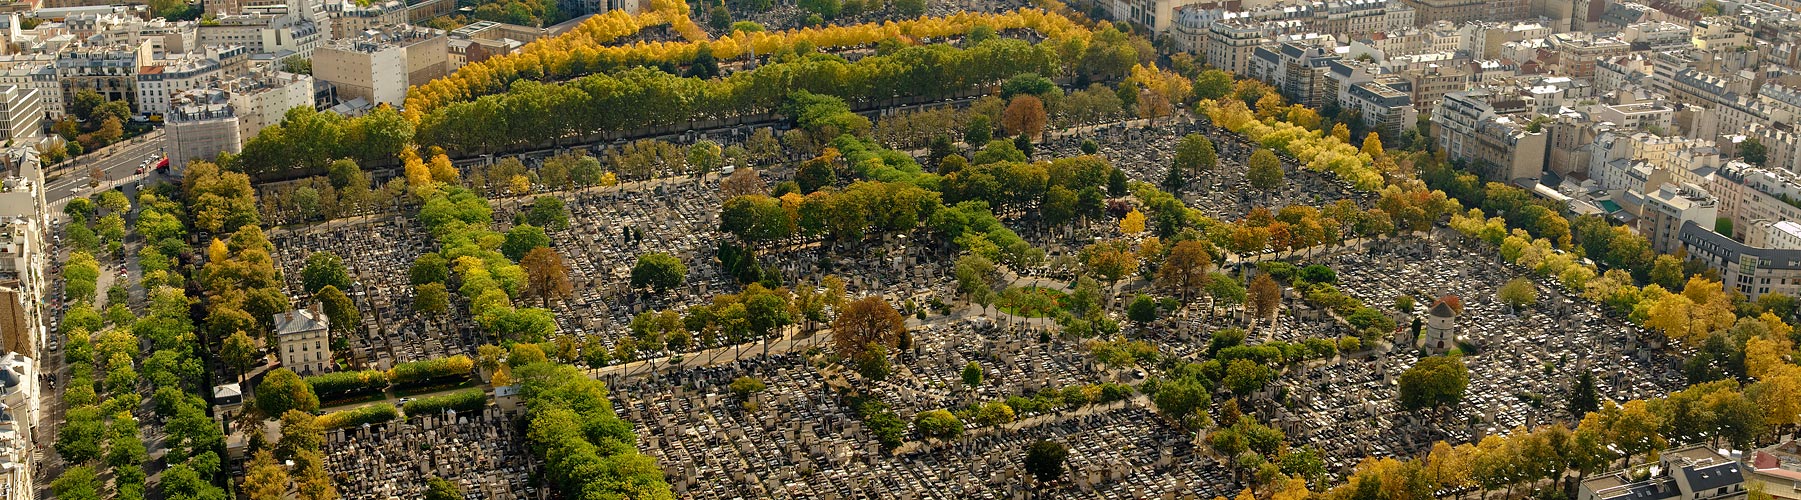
[(1143, 309), (745, 386), (547, 211), (239, 352), (972, 374), (979, 131), (76, 483), (1044, 460), (939, 424), (297, 64), (1244, 376), (431, 299), (659, 271), (1519, 293), (1437, 381), (282, 390), (1583, 397), (1666, 271), (340, 311), (1753, 151), (429, 268), (438, 488), (522, 239), (1195, 153), (1213, 84), (1183, 400), (1264, 170), (324, 269)]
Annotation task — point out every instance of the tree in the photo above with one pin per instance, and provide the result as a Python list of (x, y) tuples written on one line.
[(1265, 295), (239, 352), (1244, 376), (522, 239), (1024, 116), (1116, 182), (978, 132), (994, 413), (1583, 397), (547, 277), (429, 268), (300, 433), (1044, 460), (939, 424), (1185, 270), (1195, 153), (264, 478), (742, 182), (659, 271), (1132, 223), (76, 483), (297, 64), (815, 174), (1519, 293), (340, 312), (1264, 170), (867, 322), (1212, 84), (110, 131), (1142, 310), (1666, 271), (547, 211), (972, 374), (745, 386), (438, 488), (431, 299), (1434, 382), (1175, 179), (283, 390), (1753, 151), (1183, 400), (324, 269)]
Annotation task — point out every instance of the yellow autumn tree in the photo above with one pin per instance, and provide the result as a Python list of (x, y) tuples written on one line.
[(442, 170), (1292, 489), (1671, 314), (217, 251), (1779, 397), (418, 176), (1372, 145), (1133, 223), (1341, 132)]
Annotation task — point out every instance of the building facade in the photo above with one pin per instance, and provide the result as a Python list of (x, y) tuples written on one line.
[(302, 342)]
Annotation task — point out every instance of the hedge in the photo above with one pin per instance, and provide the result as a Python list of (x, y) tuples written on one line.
[(358, 416), (461, 401), (420, 372), (340, 384)]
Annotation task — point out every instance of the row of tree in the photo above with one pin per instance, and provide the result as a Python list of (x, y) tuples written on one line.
[(308, 141), (639, 98), (585, 52)]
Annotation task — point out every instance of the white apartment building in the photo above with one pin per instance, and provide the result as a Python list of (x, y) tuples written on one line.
[(264, 99), (160, 82), (302, 341)]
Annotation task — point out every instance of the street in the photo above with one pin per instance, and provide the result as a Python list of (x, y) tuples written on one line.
[(117, 162)]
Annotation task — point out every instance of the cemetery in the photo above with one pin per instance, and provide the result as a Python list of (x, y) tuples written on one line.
[(807, 433)]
